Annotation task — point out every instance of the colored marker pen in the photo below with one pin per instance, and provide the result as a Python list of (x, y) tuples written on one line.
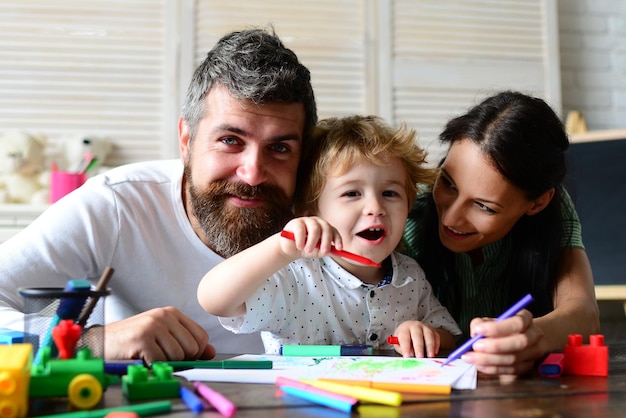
[(191, 400), (521, 304), (361, 393), (326, 350), (216, 399), (318, 398), (143, 409), (219, 364)]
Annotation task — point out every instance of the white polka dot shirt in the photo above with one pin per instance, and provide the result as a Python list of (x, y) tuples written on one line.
[(316, 301)]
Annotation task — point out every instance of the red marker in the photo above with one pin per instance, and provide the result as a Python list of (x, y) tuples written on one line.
[(340, 253)]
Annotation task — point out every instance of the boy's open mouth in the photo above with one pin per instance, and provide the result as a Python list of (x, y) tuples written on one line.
[(372, 234)]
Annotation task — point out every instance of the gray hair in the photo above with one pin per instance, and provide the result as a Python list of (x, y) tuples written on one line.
[(254, 65)]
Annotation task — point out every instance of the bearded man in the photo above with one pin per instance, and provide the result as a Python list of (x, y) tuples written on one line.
[(161, 225)]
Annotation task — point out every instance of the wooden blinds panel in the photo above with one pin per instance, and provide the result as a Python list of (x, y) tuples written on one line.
[(447, 55), (73, 68), (327, 35)]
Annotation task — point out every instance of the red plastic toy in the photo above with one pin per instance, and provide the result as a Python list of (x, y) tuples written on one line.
[(65, 336), (586, 360)]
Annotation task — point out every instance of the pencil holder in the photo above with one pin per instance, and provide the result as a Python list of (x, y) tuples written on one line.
[(42, 313), (64, 182)]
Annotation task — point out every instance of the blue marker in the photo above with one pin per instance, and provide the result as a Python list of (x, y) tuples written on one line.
[(120, 367), (69, 308), (192, 400), (521, 304), (319, 399)]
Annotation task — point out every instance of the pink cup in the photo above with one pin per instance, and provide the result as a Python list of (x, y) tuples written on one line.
[(63, 182)]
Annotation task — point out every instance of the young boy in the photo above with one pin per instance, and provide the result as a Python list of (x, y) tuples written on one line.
[(359, 180)]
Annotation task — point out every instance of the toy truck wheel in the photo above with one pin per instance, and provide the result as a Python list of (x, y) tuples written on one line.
[(7, 384), (84, 391), (8, 409)]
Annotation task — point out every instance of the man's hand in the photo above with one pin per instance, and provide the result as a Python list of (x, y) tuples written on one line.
[(157, 335)]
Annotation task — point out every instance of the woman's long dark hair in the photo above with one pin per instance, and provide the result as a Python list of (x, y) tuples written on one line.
[(526, 142)]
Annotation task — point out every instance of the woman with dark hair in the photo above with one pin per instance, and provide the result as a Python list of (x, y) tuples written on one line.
[(498, 224)]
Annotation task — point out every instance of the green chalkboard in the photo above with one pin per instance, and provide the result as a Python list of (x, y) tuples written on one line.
[(597, 183)]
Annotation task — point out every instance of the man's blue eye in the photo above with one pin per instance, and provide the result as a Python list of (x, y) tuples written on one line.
[(280, 148), (229, 140)]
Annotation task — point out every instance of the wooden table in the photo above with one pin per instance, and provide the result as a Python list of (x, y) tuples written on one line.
[(570, 396)]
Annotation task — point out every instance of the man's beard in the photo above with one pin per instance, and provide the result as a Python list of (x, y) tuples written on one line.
[(230, 229)]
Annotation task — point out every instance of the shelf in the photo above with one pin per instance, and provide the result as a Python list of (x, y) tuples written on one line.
[(605, 135)]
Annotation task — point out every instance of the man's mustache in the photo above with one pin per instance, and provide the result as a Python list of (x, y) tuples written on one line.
[(221, 189)]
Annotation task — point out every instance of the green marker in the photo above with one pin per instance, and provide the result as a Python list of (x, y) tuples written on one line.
[(216, 364), (143, 409), (326, 350)]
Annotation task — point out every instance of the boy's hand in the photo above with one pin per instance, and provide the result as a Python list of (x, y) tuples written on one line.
[(417, 339), (313, 238)]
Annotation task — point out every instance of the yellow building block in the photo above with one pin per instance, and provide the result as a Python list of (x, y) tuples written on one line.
[(15, 367)]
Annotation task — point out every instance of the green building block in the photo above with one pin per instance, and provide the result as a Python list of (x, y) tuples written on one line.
[(139, 384), (82, 379)]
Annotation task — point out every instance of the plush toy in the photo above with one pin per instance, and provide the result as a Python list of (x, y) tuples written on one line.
[(23, 176), (73, 150)]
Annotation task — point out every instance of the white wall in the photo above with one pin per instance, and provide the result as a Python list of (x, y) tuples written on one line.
[(592, 36)]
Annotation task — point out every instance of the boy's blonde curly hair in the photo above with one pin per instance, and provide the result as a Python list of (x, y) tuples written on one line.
[(338, 143)]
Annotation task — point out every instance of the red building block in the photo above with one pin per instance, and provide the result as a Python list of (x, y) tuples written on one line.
[(586, 360)]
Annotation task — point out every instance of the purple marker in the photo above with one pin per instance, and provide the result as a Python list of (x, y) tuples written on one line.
[(521, 304)]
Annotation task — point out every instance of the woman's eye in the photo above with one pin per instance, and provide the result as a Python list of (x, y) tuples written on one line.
[(485, 208)]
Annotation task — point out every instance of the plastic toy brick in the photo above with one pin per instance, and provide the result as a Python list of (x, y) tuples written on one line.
[(15, 366), (586, 360), (139, 384), (81, 379), (9, 336), (65, 336)]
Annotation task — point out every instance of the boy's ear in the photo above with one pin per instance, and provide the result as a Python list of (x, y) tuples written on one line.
[(541, 202)]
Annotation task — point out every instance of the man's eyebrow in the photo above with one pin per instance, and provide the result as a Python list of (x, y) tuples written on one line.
[(287, 137), (230, 128)]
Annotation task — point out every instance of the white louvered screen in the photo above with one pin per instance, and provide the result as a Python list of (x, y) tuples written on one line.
[(85, 68), (448, 55), (118, 68), (327, 35)]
